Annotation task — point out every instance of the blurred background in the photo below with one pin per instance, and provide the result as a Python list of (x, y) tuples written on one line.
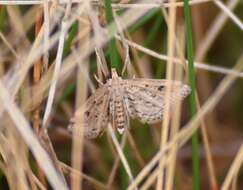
[(28, 73)]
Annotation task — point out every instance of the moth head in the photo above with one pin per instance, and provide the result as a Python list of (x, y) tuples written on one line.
[(114, 73)]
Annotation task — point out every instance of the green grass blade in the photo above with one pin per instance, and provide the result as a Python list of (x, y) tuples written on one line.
[(113, 54), (2, 17), (140, 22), (195, 146), (71, 35), (154, 31)]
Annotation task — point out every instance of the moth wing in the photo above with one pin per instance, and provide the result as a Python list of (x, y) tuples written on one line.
[(95, 113), (145, 99)]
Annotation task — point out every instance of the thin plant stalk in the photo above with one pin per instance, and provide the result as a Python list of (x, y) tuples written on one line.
[(195, 146), (166, 122), (113, 54), (36, 78), (120, 153)]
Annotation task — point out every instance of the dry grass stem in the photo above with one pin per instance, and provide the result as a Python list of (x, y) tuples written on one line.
[(214, 31), (31, 140), (56, 73), (230, 14), (169, 76), (236, 164), (120, 153), (68, 169), (184, 135), (198, 65), (54, 55), (211, 168)]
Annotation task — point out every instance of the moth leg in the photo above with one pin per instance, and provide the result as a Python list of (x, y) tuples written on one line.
[(112, 110), (102, 122), (126, 106)]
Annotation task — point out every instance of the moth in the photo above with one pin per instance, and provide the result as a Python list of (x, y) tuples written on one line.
[(120, 99)]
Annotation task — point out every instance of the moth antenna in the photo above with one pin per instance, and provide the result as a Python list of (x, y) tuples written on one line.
[(98, 80)]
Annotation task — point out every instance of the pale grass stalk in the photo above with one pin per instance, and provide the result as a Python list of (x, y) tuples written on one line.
[(116, 163), (20, 2), (37, 76), (120, 153), (214, 31), (127, 60), (6, 166), (29, 61), (229, 13), (45, 82), (151, 5), (34, 184), (235, 180), (16, 24), (36, 51), (68, 169), (37, 71), (46, 26), (212, 101), (14, 162), (31, 140), (198, 65), (36, 180), (18, 151), (136, 60), (208, 153), (8, 161), (56, 73), (114, 5), (113, 173), (77, 151), (185, 134), (135, 150), (10, 47), (175, 123), (236, 164), (166, 121), (152, 177), (98, 31), (101, 66), (215, 69), (27, 22), (14, 81), (78, 137), (66, 69)]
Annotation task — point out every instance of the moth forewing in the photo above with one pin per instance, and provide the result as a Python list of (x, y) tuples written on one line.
[(118, 99), (95, 113)]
